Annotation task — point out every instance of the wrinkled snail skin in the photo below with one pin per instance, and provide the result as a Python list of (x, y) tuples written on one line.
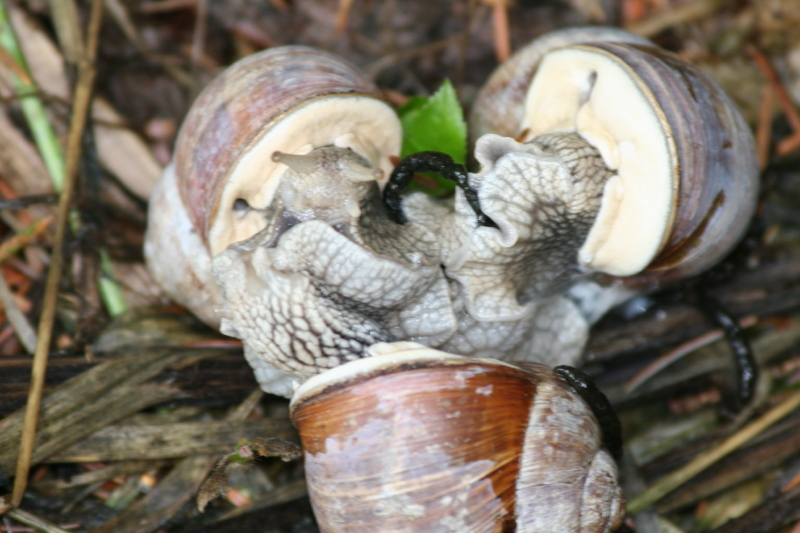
[(269, 223), (510, 279), (413, 439), (668, 190), (598, 155), (330, 275)]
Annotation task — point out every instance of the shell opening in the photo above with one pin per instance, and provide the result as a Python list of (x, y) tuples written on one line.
[(365, 124), (592, 92)]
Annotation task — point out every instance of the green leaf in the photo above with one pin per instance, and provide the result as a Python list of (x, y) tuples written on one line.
[(435, 123), (238, 459)]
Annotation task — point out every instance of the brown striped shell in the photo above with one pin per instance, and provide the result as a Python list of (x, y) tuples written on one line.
[(414, 439), (687, 172), (291, 99)]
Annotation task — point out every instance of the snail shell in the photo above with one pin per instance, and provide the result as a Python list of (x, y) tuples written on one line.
[(414, 439), (290, 99), (269, 223), (687, 177)]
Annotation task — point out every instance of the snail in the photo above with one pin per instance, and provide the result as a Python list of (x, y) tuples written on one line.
[(599, 154), (606, 156), (414, 439), (269, 222)]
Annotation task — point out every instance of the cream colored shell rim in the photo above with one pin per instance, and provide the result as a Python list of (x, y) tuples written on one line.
[(357, 121), (383, 358), (585, 89)]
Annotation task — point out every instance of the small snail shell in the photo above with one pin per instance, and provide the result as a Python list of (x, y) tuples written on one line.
[(413, 439), (290, 99), (686, 175)]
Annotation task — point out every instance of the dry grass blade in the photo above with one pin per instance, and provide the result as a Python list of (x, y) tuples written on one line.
[(34, 521), (172, 493), (117, 443), (767, 517), (703, 461), (764, 128), (175, 490), (739, 466), (94, 399), (681, 14), (83, 93), (684, 349), (92, 477), (18, 320)]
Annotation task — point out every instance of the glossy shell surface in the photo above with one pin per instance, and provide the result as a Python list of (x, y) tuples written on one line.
[(413, 439)]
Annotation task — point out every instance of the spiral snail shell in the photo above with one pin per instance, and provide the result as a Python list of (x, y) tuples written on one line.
[(414, 439)]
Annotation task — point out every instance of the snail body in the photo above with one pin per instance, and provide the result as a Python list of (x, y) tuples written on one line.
[(414, 439), (599, 155), (283, 157)]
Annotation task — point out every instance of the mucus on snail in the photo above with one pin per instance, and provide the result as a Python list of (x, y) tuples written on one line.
[(632, 164)]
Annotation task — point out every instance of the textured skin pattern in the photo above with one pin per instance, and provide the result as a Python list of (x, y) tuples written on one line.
[(330, 275), (506, 281)]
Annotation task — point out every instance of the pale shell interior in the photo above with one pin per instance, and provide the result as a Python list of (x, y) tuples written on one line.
[(365, 124), (589, 91)]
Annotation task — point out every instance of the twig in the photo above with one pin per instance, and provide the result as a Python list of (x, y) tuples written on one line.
[(684, 349), (23, 329), (34, 521), (764, 127), (502, 36), (680, 14), (199, 35), (82, 99), (768, 71), (342, 13), (789, 144), (704, 460)]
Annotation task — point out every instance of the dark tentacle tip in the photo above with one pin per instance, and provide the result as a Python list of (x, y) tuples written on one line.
[(598, 403), (439, 163)]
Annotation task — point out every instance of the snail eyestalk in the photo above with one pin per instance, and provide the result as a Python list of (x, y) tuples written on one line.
[(439, 163)]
